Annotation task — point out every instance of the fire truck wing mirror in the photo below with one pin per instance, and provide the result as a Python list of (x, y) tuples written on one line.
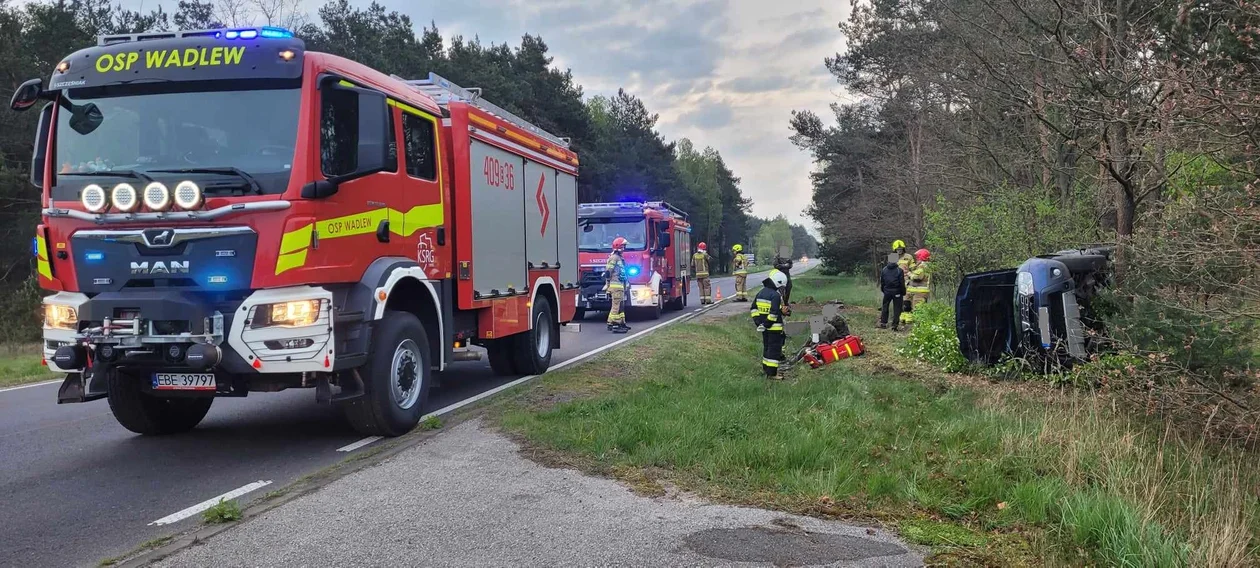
[(374, 132), (665, 240), (26, 95), (85, 119), (355, 132)]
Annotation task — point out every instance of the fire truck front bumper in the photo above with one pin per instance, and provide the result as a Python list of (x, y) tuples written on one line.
[(172, 333)]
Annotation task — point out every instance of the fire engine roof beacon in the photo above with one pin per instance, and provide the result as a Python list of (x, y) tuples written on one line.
[(226, 213)]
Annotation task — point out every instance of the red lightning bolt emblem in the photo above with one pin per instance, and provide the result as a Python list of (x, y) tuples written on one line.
[(543, 209)]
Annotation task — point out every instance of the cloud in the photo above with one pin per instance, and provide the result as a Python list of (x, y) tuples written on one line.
[(711, 117)]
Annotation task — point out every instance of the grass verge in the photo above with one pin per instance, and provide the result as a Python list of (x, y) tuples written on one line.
[(22, 364), (984, 474)]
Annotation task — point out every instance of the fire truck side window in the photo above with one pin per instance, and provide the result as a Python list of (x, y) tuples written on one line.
[(339, 132), (418, 137)]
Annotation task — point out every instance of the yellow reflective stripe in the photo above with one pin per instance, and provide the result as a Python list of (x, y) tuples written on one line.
[(769, 362), (286, 262), (918, 290), (772, 317), (42, 265), (299, 238), (616, 286)]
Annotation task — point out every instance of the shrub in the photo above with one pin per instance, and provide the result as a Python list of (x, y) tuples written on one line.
[(934, 337)]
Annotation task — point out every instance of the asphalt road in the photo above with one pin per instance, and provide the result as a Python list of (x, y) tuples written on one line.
[(75, 487)]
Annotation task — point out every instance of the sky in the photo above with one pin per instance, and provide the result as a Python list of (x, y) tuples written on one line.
[(723, 73)]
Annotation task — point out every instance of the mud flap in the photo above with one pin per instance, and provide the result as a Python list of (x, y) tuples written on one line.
[(73, 391)]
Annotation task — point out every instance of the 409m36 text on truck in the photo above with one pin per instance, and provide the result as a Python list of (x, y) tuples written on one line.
[(225, 213)]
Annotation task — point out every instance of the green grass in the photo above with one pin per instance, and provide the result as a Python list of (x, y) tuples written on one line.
[(223, 512), (21, 364), (1006, 477)]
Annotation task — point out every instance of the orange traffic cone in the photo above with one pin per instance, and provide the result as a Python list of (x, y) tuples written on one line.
[(719, 295)]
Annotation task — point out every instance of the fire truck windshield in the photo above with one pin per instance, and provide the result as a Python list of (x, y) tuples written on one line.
[(143, 129), (597, 234)]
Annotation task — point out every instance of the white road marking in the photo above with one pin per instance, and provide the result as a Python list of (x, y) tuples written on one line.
[(202, 506), (52, 382), (360, 444)]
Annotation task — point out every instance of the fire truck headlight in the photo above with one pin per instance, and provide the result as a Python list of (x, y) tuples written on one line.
[(157, 197), (57, 316), (125, 198), (299, 313), (188, 195), (94, 199), (642, 294)]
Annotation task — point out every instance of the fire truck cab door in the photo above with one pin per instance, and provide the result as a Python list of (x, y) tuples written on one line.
[(419, 215)]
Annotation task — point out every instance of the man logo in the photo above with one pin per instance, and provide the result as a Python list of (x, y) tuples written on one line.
[(160, 267), (159, 237)]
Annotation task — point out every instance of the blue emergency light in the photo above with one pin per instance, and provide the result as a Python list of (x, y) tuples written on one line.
[(94, 256), (632, 270), (35, 246), (269, 32)]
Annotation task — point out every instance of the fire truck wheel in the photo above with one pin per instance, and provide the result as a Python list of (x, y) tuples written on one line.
[(676, 304), (533, 348), (146, 414), (396, 378)]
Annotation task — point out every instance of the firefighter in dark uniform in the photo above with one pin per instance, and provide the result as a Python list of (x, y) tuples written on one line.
[(768, 311), (615, 282)]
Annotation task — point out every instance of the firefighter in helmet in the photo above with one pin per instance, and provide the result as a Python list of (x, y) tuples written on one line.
[(906, 262), (768, 312), (700, 267), (615, 282), (741, 274), (919, 285)]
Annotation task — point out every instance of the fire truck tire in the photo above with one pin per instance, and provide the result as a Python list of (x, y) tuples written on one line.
[(501, 352), (146, 414), (676, 304), (396, 378), (533, 348)]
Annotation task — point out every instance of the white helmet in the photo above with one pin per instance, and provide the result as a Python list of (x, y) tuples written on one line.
[(779, 278)]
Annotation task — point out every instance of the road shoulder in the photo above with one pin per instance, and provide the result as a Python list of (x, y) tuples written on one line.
[(468, 497)]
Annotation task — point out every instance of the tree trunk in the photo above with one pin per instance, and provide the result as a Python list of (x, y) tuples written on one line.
[(1043, 131)]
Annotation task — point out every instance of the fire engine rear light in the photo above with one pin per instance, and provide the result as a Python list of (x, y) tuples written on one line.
[(125, 198), (94, 199), (63, 67), (157, 197), (188, 195)]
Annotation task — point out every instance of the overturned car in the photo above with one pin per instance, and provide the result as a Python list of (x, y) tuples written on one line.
[(1040, 310)]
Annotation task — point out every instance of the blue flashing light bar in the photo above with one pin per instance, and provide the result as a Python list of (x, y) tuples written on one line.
[(35, 246), (94, 256), (632, 270), (274, 33), (217, 279), (268, 32)]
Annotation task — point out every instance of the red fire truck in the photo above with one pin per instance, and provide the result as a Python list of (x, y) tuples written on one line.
[(227, 213), (658, 255)]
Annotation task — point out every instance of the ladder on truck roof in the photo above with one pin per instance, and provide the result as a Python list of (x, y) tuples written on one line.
[(444, 92), (661, 205)]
